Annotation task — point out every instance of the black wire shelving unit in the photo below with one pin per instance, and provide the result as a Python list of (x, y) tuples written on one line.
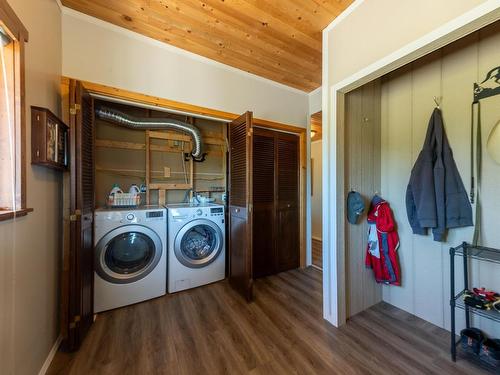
[(467, 251)]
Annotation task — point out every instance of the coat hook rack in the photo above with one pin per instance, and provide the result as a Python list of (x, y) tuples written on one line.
[(489, 87)]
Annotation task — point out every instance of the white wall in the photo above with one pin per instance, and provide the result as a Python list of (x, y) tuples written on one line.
[(407, 103), (376, 28), (30, 246), (315, 101), (99, 52), (316, 200)]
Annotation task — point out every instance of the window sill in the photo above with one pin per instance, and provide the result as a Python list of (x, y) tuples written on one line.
[(7, 215)]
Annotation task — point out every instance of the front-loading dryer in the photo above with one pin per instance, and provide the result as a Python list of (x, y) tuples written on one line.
[(196, 245), (130, 256)]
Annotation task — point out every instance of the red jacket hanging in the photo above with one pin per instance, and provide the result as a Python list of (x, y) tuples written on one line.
[(383, 242)]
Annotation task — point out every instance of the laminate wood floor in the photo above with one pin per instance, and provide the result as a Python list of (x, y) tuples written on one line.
[(212, 330)]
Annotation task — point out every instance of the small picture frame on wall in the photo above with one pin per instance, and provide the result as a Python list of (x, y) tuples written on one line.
[(49, 139)]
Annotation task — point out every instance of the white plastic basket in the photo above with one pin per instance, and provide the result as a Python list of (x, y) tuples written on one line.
[(124, 200)]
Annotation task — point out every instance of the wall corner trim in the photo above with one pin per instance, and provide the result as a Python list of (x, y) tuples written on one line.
[(315, 91), (342, 16), (59, 4)]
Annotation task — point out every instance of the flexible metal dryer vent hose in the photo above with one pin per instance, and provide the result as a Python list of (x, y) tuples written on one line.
[(146, 123)]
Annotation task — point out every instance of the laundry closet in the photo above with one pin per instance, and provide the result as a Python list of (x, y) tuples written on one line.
[(163, 200), (121, 158), (382, 133)]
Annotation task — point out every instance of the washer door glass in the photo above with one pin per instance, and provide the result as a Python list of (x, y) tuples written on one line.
[(127, 254), (198, 243)]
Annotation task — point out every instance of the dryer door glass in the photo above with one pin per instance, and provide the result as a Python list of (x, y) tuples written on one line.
[(127, 254), (198, 244)]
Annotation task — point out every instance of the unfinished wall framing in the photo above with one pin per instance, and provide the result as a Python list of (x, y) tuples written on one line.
[(156, 158)]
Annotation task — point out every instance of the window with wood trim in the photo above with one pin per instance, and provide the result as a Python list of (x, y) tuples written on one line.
[(13, 35)]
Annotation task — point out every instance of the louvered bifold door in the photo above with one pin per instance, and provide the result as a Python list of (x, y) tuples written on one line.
[(79, 290), (240, 205), (264, 158), (287, 213)]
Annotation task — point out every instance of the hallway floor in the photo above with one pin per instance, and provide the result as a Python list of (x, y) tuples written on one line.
[(212, 330)]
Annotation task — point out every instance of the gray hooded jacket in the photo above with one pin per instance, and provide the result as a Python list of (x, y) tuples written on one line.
[(436, 196)]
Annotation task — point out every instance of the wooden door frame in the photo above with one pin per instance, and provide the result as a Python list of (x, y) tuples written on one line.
[(167, 104), (333, 105)]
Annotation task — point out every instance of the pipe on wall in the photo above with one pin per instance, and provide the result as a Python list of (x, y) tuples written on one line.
[(145, 123)]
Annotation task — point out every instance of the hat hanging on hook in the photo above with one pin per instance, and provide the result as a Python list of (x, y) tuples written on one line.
[(355, 206)]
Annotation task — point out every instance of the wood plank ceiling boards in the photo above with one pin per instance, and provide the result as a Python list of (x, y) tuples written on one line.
[(279, 40)]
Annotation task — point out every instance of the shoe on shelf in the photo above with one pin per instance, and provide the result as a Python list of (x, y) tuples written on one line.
[(471, 339), (477, 301), (489, 295), (490, 352)]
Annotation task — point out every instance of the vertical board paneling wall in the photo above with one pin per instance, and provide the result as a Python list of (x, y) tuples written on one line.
[(407, 103), (362, 174)]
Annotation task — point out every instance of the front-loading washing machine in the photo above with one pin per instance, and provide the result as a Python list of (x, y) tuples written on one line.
[(196, 245), (130, 259)]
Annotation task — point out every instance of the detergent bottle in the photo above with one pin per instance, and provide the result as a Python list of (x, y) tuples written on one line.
[(115, 190), (134, 189)]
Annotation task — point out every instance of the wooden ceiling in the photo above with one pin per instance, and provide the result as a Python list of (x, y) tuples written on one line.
[(279, 39)]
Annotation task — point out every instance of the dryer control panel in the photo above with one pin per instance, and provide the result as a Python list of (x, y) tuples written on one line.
[(154, 214), (217, 211)]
